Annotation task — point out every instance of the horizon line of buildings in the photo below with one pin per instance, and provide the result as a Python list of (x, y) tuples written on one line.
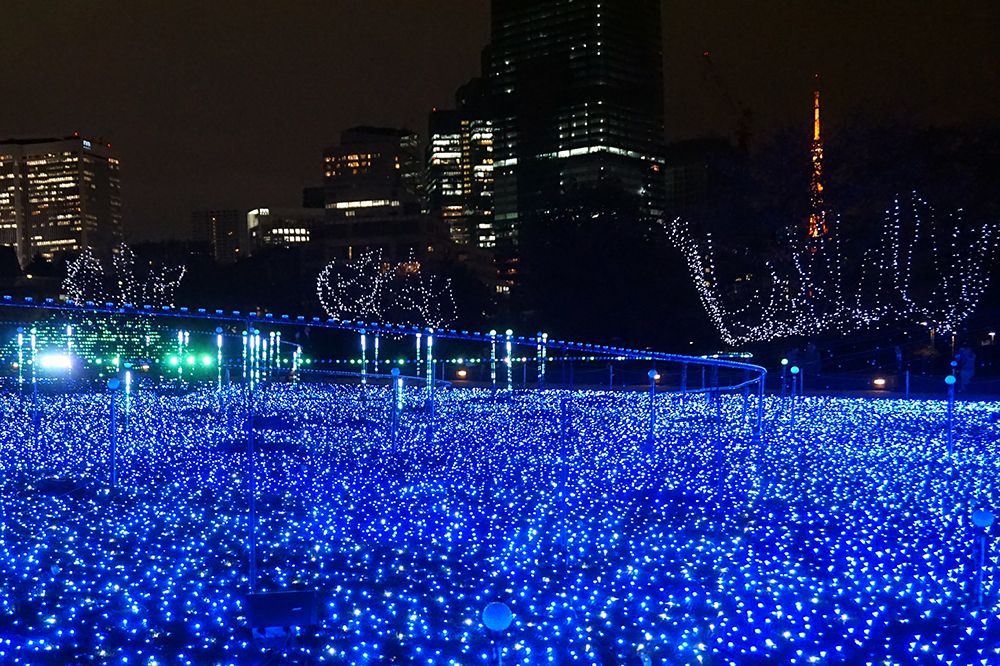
[(570, 98)]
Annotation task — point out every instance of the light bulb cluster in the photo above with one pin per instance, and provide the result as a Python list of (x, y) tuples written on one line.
[(925, 270), (844, 536), (372, 289)]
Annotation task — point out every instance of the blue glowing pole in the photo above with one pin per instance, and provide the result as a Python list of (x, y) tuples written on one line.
[(430, 362), (545, 354), (364, 358), (246, 354), (180, 355), (271, 353), (277, 350), (493, 359), (982, 519), (264, 354), (218, 356), (20, 360), (509, 361), (113, 385), (538, 357), (419, 337), (128, 399), (950, 381), (34, 358), (430, 386), (375, 352), (252, 357), (653, 376), (258, 347), (397, 401), (795, 373)]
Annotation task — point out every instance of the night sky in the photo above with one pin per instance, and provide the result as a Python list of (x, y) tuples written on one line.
[(230, 103)]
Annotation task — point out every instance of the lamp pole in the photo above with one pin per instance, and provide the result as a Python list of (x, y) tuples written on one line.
[(784, 369), (113, 385), (982, 519), (795, 373), (652, 374)]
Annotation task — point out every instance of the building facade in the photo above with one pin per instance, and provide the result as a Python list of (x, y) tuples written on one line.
[(373, 171), (460, 167), (59, 196), (282, 227), (578, 92), (223, 230)]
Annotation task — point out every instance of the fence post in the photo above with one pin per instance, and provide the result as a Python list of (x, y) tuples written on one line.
[(493, 359), (652, 374), (113, 385), (795, 374), (397, 401), (950, 381), (982, 519), (364, 357), (509, 359)]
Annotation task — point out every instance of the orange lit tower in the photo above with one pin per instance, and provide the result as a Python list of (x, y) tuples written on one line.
[(817, 215)]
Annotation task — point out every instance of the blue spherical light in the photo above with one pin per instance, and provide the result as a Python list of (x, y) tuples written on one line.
[(950, 380), (982, 518), (497, 616)]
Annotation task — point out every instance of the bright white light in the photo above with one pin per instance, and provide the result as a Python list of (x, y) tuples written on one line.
[(879, 382), (55, 362)]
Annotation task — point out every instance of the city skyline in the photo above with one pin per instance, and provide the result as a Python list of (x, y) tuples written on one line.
[(232, 105)]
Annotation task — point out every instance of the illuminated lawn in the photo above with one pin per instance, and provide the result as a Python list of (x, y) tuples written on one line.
[(845, 538)]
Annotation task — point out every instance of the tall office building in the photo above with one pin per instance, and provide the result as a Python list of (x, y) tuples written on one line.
[(225, 231), (460, 167), (59, 195), (373, 171), (578, 89)]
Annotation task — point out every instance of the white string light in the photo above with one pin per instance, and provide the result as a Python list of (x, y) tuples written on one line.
[(371, 289), (811, 297), (87, 280)]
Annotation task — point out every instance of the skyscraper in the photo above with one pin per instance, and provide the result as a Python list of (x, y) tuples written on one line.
[(460, 167), (225, 231), (373, 171), (578, 89), (59, 195)]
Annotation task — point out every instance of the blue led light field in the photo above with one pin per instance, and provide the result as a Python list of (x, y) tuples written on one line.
[(844, 537)]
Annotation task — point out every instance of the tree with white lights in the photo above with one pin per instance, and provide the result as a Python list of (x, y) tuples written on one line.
[(925, 269), (372, 289), (124, 284)]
